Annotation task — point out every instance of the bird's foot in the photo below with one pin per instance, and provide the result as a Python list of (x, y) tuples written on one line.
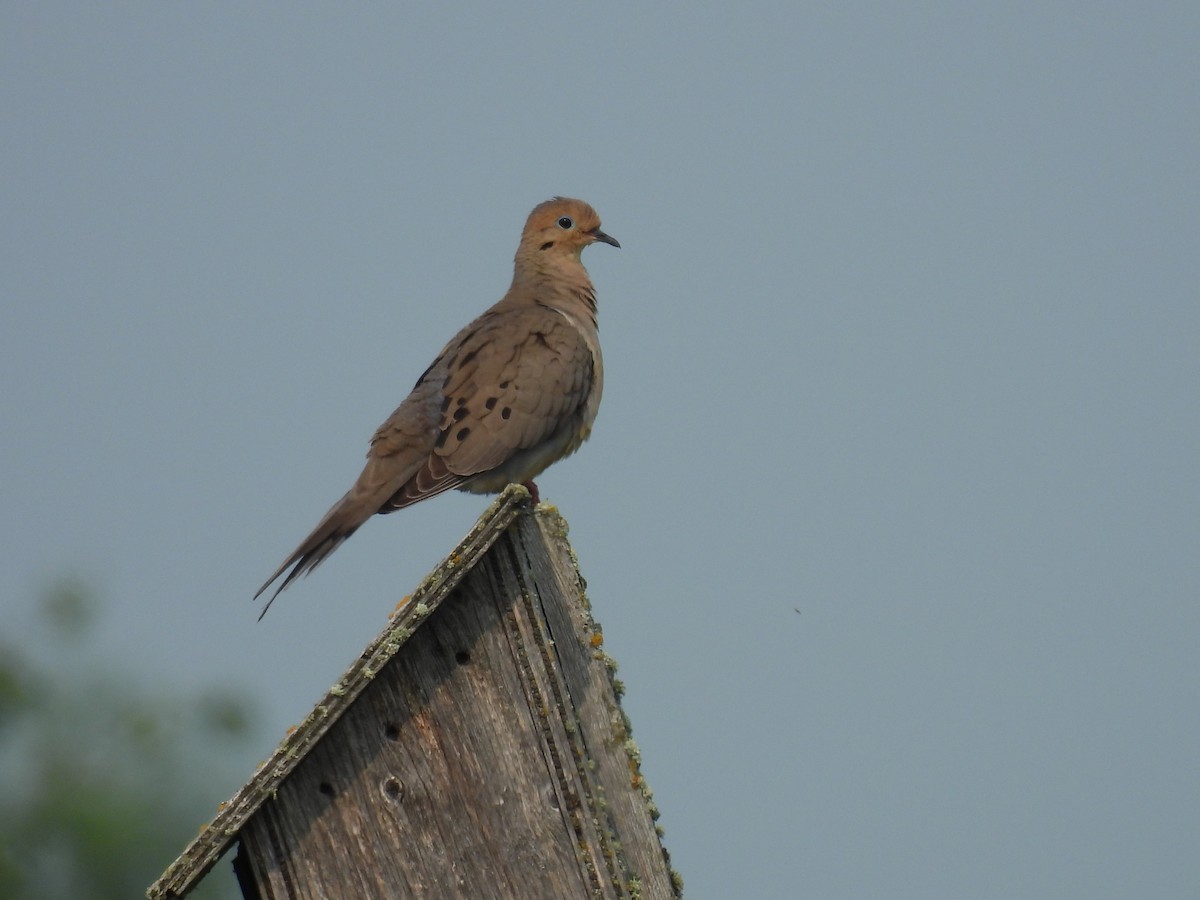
[(534, 497)]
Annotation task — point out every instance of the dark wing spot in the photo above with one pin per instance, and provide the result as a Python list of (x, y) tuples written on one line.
[(470, 356), (441, 441), (461, 401), (490, 403), (462, 434), (445, 404), (461, 413), (506, 412)]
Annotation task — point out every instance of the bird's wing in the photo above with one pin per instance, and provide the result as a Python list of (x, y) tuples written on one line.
[(511, 383)]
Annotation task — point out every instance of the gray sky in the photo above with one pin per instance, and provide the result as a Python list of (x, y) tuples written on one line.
[(903, 335)]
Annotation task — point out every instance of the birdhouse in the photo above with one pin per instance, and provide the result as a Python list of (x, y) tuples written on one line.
[(476, 748)]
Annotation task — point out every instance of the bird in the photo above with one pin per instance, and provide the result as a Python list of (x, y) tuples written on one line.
[(514, 391)]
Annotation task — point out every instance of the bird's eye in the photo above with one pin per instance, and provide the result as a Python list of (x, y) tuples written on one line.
[(565, 223)]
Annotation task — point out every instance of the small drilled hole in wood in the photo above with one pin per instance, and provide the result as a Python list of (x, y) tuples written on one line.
[(391, 731), (326, 788), (393, 789), (462, 657)]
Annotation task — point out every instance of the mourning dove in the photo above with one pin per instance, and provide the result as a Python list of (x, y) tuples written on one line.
[(513, 392)]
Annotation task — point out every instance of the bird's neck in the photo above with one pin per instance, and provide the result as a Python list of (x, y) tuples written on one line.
[(561, 282)]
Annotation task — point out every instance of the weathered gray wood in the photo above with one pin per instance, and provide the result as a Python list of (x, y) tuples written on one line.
[(482, 755), (215, 838), (621, 787)]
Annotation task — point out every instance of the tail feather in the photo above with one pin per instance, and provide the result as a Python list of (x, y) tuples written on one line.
[(338, 524)]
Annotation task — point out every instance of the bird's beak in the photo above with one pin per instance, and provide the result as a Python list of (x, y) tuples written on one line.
[(598, 235)]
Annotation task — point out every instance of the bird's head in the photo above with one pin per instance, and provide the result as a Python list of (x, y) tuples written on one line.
[(562, 226)]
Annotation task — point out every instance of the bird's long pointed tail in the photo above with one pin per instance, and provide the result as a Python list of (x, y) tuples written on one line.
[(338, 524)]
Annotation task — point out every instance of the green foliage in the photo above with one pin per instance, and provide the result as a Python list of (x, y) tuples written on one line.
[(105, 782)]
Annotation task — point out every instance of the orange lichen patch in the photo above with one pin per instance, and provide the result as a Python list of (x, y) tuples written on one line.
[(597, 639), (399, 606)]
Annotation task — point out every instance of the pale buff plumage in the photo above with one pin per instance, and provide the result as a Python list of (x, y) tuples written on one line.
[(513, 392)]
